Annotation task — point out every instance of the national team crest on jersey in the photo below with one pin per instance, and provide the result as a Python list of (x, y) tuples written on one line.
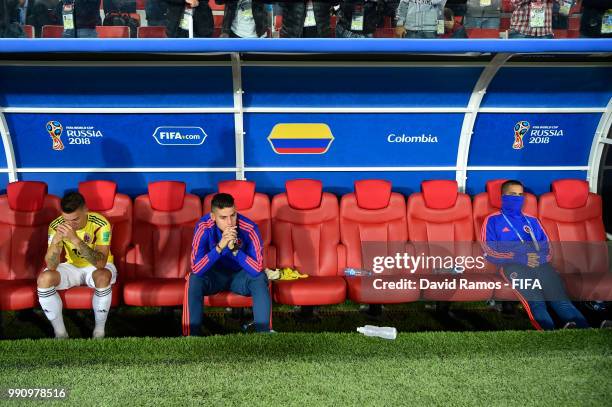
[(87, 238), (238, 243)]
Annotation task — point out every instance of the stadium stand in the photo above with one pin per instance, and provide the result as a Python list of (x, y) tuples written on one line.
[(385, 30)]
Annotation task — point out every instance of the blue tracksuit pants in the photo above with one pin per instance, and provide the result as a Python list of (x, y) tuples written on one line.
[(552, 294), (216, 280)]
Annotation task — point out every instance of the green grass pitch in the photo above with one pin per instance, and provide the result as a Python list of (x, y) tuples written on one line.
[(302, 369)]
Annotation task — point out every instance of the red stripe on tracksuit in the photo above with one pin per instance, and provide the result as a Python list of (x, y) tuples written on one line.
[(257, 263), (186, 327), (483, 239), (523, 301)]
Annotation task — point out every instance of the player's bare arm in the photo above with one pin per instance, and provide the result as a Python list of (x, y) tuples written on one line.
[(54, 251), (96, 257)]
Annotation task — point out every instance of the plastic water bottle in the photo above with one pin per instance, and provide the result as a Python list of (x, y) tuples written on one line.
[(385, 332), (351, 272)]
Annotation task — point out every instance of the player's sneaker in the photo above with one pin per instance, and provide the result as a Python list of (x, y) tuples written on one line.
[(570, 325), (61, 336), (606, 324)]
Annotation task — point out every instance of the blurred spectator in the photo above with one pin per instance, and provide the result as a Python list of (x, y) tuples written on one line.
[(79, 17), (23, 7), (357, 18), (531, 19), (459, 7), (42, 12), (156, 11), (388, 9), (9, 19), (559, 18), (596, 21), (244, 19), (177, 25), (306, 19), (119, 6), (452, 29), (419, 18), (482, 14)]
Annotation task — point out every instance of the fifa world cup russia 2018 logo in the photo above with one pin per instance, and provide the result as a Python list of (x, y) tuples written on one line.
[(54, 128), (520, 129)]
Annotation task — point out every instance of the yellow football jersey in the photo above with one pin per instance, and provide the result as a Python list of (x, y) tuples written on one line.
[(97, 232)]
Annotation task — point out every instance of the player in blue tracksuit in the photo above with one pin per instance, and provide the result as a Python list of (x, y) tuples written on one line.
[(227, 254), (520, 246)]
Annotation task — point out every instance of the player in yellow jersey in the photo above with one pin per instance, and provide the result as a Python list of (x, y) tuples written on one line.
[(85, 236)]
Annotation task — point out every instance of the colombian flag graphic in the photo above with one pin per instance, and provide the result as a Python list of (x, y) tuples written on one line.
[(300, 138)]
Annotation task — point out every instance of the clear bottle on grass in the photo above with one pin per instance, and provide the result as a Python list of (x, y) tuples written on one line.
[(385, 332)]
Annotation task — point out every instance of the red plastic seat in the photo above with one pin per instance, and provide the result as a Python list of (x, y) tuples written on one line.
[(218, 24), (440, 224), (102, 197), (306, 233), (373, 223), (482, 32), (113, 31), (164, 221), (216, 7), (52, 31), (278, 22), (572, 219), (28, 30), (152, 32), (488, 203), (573, 23), (25, 213), (504, 22), (255, 206)]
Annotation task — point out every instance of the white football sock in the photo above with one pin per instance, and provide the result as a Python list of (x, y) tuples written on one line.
[(101, 304), (51, 303)]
